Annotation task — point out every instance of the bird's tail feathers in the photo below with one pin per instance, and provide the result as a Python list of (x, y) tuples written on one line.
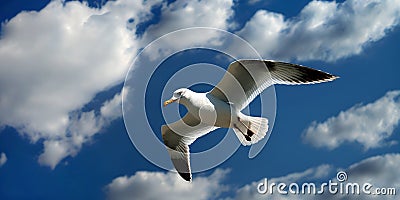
[(250, 130)]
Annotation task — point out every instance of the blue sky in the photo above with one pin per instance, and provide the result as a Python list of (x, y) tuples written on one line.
[(62, 70)]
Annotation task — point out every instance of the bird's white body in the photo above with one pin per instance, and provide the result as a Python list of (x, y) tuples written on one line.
[(209, 109)]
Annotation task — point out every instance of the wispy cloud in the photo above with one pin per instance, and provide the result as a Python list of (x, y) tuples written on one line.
[(157, 185), (3, 159), (370, 125)]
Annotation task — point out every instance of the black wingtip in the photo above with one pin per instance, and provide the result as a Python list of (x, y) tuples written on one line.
[(186, 176)]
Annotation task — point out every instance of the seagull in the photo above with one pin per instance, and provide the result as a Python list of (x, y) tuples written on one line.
[(221, 107)]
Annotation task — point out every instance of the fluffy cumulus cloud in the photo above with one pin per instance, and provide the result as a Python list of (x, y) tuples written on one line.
[(157, 185), (379, 171), (81, 128), (370, 125), (324, 30), (54, 61), (3, 159)]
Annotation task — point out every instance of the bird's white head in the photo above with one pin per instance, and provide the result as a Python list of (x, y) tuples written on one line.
[(178, 94)]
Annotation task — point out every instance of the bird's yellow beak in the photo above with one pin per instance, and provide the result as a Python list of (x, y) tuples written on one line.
[(169, 101)]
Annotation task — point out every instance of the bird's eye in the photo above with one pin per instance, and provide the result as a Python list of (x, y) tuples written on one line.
[(179, 93)]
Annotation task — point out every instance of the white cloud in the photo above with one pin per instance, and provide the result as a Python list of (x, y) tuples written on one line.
[(188, 14), (264, 31), (184, 14), (380, 171), (56, 60), (112, 108), (82, 127), (370, 125), (3, 159), (249, 191), (253, 1), (157, 185), (324, 30)]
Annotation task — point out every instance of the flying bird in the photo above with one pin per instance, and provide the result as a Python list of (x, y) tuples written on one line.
[(221, 107)]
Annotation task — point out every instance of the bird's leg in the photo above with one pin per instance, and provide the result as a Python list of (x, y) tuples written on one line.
[(242, 123), (249, 132), (245, 135)]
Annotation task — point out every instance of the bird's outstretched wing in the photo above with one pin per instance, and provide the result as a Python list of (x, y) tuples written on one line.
[(178, 136), (245, 79)]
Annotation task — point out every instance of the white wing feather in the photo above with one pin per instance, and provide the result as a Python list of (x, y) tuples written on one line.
[(245, 79), (178, 136)]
